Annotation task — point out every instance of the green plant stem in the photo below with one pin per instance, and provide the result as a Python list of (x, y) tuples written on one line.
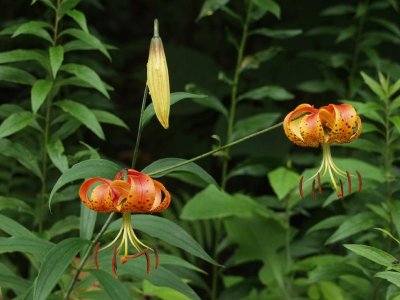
[(357, 50), (238, 141), (234, 92), (140, 128), (288, 247), (46, 130), (110, 217), (86, 255), (388, 164)]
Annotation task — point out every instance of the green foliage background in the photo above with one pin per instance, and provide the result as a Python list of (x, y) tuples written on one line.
[(72, 75)]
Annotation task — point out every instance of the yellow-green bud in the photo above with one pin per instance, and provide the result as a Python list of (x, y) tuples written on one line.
[(158, 79)]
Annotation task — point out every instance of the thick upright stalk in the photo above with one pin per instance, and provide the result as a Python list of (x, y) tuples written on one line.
[(46, 130), (234, 92)]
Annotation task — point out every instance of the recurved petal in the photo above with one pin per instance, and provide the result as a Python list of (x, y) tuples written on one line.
[(162, 198), (345, 124), (101, 196), (292, 123)]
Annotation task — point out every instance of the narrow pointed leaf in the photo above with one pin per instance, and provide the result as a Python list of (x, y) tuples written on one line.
[(14, 228), (156, 168), (54, 265), (109, 118), (84, 115), (36, 28), (373, 254), (14, 75), (55, 149), (22, 154), (353, 225), (15, 122), (211, 6), (88, 39), (79, 18), (392, 277), (56, 55), (22, 55), (114, 288), (15, 204), (87, 221), (87, 75), (33, 245), (39, 92)]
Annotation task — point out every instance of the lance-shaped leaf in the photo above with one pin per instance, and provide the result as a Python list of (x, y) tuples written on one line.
[(36, 28), (56, 55), (83, 114), (15, 122), (40, 90), (14, 75), (55, 149), (87, 75), (54, 265)]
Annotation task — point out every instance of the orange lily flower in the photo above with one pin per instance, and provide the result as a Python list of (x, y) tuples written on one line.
[(130, 192), (307, 126)]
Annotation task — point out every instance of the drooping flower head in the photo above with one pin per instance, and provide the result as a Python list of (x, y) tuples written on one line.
[(307, 126), (130, 192), (158, 79)]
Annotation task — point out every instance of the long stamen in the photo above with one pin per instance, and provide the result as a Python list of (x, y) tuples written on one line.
[(301, 187), (96, 253), (348, 181), (333, 180), (156, 256), (319, 184), (313, 190), (114, 262), (114, 240), (146, 253), (125, 258), (360, 183)]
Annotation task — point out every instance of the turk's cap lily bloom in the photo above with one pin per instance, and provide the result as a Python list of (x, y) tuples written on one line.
[(310, 127), (130, 192), (138, 194), (307, 126), (158, 78)]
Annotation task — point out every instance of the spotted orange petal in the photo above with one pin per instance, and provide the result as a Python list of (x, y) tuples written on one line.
[(301, 123), (342, 124), (101, 197)]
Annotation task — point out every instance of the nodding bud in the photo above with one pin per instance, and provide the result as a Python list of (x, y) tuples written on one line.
[(158, 79)]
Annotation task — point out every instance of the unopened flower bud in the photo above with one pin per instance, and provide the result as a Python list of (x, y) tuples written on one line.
[(158, 79)]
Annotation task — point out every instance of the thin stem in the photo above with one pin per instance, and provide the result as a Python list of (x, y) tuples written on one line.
[(86, 255), (46, 130), (140, 128), (357, 50), (108, 221), (234, 91), (250, 136), (388, 164), (56, 23)]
